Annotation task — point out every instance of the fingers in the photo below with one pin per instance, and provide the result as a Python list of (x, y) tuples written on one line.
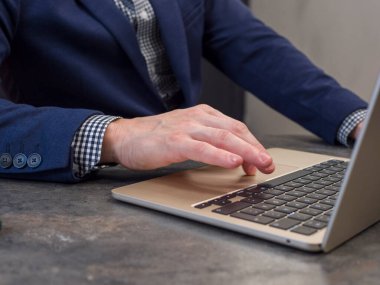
[(220, 120), (253, 152), (209, 154), (224, 139)]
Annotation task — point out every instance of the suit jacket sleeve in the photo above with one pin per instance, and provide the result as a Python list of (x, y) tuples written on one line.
[(267, 65), (25, 129)]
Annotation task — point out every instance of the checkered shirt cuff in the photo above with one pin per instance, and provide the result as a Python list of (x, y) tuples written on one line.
[(87, 144), (349, 125)]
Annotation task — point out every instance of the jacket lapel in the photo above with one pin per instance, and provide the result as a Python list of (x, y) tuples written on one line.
[(119, 26), (173, 35)]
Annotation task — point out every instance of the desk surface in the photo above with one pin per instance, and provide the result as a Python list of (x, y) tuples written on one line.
[(77, 234)]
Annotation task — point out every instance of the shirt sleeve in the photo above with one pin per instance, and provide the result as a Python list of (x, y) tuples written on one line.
[(349, 125), (87, 144)]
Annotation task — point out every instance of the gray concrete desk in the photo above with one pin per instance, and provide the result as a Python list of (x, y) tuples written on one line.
[(77, 234)]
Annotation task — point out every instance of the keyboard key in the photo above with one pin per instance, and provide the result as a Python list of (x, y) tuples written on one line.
[(263, 206), (256, 219), (314, 168), (287, 198), (327, 171), (285, 224), (315, 185), (231, 208), (274, 215), (262, 187), (220, 202), (323, 218), (339, 162), (307, 200), (252, 200), (328, 202), (322, 207), (315, 224), (336, 168), (244, 193), (302, 181), (286, 178), (296, 204), (286, 209), (320, 174), (263, 196), (296, 193), (338, 175), (203, 205), (274, 192), (275, 202), (293, 184), (306, 189), (334, 197), (252, 211), (333, 179), (330, 162), (304, 230), (332, 188), (325, 192), (229, 196), (254, 189), (300, 217), (311, 177), (323, 182), (316, 196), (310, 211), (284, 188), (329, 213)]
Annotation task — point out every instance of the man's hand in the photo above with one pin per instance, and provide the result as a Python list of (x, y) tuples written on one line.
[(199, 133)]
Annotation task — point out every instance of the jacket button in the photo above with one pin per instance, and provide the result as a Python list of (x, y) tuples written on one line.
[(5, 160), (19, 160), (34, 160)]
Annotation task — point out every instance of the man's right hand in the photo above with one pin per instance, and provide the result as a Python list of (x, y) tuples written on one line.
[(200, 133)]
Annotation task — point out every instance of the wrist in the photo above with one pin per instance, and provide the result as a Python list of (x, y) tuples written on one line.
[(356, 131), (110, 140)]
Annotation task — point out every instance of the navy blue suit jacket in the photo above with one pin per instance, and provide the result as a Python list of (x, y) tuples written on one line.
[(63, 61)]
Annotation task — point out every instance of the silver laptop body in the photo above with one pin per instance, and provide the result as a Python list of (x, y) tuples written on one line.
[(357, 204)]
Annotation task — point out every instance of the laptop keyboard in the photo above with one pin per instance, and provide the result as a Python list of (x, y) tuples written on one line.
[(300, 202)]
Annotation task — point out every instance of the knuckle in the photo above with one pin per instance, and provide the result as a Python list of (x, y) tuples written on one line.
[(239, 127), (200, 148), (194, 112), (174, 138), (205, 107), (222, 135), (186, 124)]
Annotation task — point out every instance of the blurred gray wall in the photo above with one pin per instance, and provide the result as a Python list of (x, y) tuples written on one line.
[(340, 36)]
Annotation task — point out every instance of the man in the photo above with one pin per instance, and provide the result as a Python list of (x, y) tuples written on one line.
[(72, 69)]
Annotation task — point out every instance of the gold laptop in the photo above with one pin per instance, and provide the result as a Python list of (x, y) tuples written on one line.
[(312, 202)]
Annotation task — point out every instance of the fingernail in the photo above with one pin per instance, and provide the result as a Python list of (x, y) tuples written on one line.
[(234, 159), (264, 157)]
